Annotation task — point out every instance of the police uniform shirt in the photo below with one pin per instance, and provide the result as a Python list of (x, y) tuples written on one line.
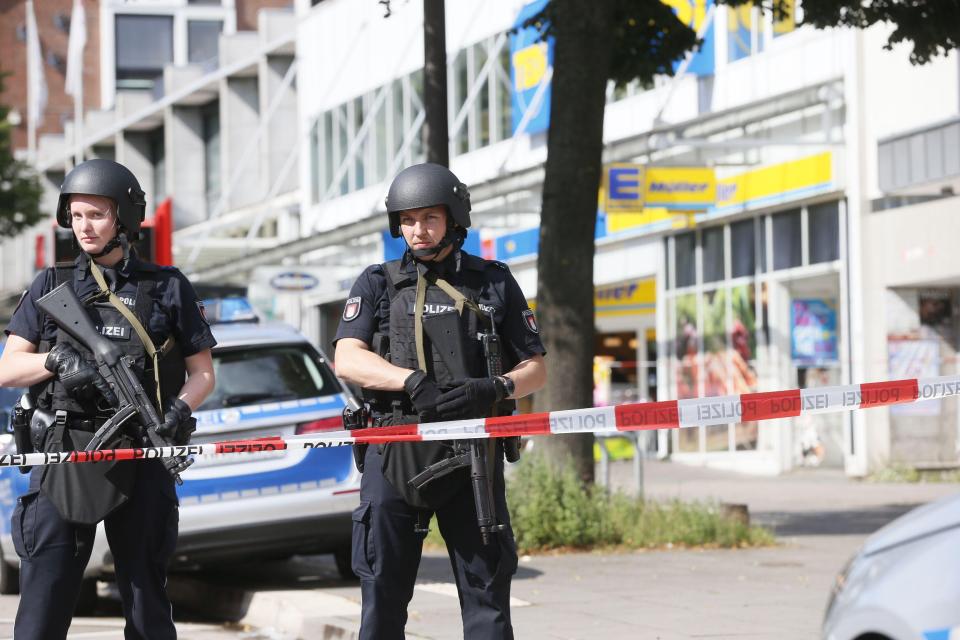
[(367, 310), (177, 310)]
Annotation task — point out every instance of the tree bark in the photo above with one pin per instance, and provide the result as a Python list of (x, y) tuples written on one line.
[(568, 219), (435, 127)]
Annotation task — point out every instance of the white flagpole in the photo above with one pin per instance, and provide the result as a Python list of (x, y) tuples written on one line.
[(36, 84), (74, 78)]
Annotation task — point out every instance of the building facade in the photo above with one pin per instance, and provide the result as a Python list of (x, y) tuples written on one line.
[(797, 188)]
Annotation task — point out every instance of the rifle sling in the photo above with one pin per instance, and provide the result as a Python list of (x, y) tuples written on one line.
[(135, 323)]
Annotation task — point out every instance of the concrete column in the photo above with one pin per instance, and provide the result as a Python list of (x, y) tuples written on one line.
[(133, 152), (239, 120), (281, 138), (183, 139)]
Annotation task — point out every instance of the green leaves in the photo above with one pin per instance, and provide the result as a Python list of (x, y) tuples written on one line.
[(20, 189)]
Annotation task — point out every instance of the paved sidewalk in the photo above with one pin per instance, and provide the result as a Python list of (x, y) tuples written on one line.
[(820, 516)]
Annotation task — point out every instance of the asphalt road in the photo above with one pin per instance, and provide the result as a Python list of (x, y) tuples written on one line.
[(820, 518)]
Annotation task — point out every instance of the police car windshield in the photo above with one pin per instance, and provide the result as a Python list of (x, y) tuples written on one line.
[(272, 373)]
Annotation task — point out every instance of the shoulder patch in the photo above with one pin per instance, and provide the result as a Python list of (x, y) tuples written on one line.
[(530, 321), (499, 264), (352, 309), (203, 311)]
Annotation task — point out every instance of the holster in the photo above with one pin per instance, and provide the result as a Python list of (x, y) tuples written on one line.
[(89, 492)]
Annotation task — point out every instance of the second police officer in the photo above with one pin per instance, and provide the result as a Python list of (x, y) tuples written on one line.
[(154, 315), (409, 337)]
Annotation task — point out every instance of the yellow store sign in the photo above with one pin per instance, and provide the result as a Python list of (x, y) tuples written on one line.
[(632, 188), (638, 297)]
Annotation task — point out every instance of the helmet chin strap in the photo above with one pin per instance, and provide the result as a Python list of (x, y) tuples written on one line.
[(429, 254), (120, 240)]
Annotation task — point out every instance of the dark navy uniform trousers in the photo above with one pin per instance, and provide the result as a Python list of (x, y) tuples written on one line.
[(386, 555), (142, 534)]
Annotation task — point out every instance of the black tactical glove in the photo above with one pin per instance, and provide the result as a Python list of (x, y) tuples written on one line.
[(177, 425), (471, 398), (423, 393), (78, 377)]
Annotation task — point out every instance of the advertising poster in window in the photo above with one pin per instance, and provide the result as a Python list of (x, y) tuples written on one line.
[(813, 331), (910, 358), (716, 371), (743, 357), (687, 363)]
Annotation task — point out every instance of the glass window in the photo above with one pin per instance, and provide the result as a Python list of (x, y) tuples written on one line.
[(739, 27), (202, 42), (786, 240), (483, 98), (502, 87), (327, 153), (460, 89), (380, 158), (251, 375), (359, 113), (315, 162), (762, 242), (418, 146), (685, 259), (743, 248), (824, 224), (143, 45), (399, 124), (713, 254)]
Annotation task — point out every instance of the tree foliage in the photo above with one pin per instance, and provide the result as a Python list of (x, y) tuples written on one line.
[(20, 189), (932, 26)]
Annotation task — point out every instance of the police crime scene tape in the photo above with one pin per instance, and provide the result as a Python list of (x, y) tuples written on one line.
[(668, 414)]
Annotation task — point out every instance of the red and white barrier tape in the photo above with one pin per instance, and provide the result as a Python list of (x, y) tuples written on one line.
[(670, 414)]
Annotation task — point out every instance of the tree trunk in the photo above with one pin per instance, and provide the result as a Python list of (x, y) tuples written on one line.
[(568, 219), (435, 127)]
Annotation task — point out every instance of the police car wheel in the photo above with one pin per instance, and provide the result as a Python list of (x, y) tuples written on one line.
[(342, 557), (87, 600), (9, 578)]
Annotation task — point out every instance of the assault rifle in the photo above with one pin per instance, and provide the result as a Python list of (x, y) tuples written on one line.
[(480, 453), (63, 306)]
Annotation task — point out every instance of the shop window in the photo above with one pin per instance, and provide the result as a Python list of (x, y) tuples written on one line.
[(713, 254), (743, 248), (824, 224), (685, 259), (787, 248)]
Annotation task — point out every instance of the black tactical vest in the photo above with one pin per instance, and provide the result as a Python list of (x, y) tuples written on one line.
[(452, 352), (114, 326), (87, 493), (450, 338)]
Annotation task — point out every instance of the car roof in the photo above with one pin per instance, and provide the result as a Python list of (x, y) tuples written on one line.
[(255, 333)]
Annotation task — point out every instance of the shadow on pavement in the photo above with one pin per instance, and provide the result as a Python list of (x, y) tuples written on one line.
[(224, 593), (848, 522)]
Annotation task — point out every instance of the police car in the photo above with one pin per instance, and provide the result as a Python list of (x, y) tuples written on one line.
[(270, 382)]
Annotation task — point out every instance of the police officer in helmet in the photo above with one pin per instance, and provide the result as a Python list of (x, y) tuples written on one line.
[(408, 336), (155, 317)]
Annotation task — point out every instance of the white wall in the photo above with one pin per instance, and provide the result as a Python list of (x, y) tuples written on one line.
[(900, 96)]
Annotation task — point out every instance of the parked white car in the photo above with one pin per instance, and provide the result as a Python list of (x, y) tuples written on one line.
[(904, 582)]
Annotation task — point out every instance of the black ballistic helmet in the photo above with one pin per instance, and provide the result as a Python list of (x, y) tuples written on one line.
[(99, 177), (427, 185)]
